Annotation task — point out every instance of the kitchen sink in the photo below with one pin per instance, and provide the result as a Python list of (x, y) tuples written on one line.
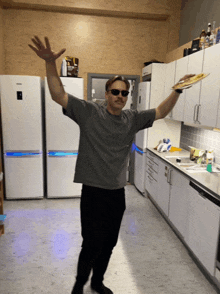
[(195, 168), (184, 160), (190, 166), (187, 164)]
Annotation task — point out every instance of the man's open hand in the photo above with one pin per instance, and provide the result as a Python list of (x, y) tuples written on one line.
[(43, 51)]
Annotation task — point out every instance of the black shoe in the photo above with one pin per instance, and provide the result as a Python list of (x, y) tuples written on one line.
[(101, 289), (77, 289)]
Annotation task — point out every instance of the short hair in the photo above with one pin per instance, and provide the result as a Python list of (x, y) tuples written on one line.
[(114, 79)]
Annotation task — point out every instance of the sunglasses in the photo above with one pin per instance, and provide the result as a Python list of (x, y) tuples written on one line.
[(116, 92)]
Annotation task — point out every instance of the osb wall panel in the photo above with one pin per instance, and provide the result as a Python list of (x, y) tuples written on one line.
[(103, 44), (1, 43), (141, 6), (177, 53), (148, 9)]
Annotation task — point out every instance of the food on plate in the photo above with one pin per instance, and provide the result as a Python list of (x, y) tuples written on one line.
[(189, 82)]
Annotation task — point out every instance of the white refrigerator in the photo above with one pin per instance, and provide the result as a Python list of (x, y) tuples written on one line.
[(141, 138), (21, 112), (62, 141)]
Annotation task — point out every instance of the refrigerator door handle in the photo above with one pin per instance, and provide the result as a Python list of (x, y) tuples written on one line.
[(139, 99)]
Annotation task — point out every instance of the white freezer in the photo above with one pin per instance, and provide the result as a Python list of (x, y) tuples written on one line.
[(62, 141), (143, 104), (21, 110), (141, 138)]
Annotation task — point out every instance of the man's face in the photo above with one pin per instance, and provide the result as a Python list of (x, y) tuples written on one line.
[(116, 102)]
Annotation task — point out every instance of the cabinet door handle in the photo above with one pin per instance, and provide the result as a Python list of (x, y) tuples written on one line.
[(194, 116), (202, 195), (197, 118), (169, 176)]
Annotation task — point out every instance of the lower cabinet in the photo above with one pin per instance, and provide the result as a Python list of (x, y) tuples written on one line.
[(163, 192), (151, 179), (193, 212), (178, 207)]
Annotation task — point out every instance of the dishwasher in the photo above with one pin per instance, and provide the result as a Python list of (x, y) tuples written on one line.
[(203, 229)]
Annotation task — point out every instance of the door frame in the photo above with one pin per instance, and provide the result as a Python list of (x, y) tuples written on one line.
[(108, 76)]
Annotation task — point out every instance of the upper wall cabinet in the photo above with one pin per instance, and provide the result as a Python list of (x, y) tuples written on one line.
[(218, 117), (169, 80), (192, 95), (181, 70), (157, 84), (209, 98), (200, 104)]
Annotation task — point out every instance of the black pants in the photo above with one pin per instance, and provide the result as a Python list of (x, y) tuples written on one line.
[(101, 215)]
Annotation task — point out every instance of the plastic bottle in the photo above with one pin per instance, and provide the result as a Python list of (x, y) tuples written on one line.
[(212, 36), (209, 160), (218, 36), (64, 68)]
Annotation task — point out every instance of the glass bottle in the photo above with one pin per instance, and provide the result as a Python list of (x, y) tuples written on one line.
[(202, 39), (208, 34)]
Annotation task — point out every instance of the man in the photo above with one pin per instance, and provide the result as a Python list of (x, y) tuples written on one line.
[(106, 136)]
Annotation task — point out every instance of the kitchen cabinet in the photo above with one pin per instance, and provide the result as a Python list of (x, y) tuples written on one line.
[(203, 226), (193, 212), (200, 104), (210, 86), (181, 70), (151, 179), (172, 195), (169, 80), (192, 95), (163, 192), (157, 84), (178, 206), (218, 117), (161, 77)]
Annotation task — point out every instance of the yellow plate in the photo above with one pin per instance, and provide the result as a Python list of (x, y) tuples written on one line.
[(185, 84)]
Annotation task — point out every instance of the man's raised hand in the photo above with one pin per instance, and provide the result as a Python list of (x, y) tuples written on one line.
[(43, 51)]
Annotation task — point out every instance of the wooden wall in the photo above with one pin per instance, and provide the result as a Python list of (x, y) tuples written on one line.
[(116, 39), (2, 61)]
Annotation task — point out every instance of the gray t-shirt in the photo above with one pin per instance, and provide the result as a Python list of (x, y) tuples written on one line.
[(105, 141)]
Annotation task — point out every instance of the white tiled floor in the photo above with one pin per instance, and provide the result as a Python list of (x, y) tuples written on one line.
[(39, 252)]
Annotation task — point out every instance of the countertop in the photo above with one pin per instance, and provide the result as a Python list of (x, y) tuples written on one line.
[(209, 181)]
